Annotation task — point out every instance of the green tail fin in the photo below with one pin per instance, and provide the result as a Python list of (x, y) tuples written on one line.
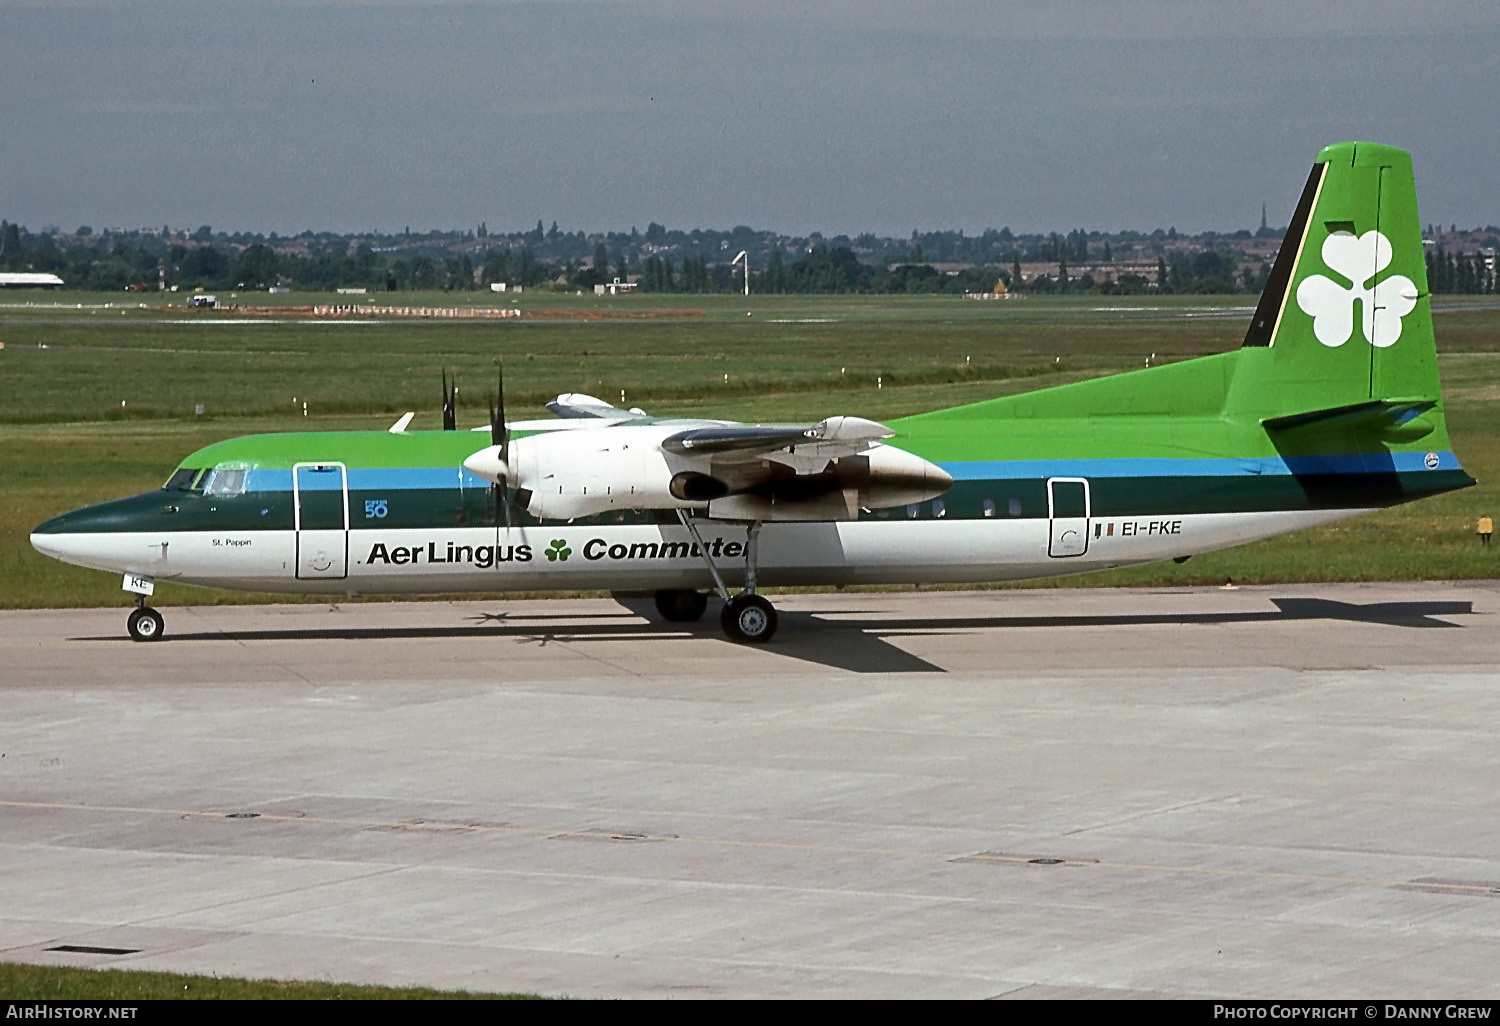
[(1345, 318)]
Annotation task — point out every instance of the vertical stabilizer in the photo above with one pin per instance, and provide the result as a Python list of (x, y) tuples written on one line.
[(1345, 317)]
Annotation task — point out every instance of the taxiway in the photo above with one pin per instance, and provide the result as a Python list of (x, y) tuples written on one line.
[(1284, 791)]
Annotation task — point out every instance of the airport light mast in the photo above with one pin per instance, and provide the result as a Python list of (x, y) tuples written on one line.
[(745, 257)]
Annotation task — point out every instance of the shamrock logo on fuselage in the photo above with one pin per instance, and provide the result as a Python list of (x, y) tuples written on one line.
[(558, 550), (1331, 305)]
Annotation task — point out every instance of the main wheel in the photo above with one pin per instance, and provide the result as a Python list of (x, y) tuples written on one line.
[(749, 618), (145, 624), (681, 605)]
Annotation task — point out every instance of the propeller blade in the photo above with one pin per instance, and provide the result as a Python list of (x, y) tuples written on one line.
[(499, 434), (450, 402), (500, 439)]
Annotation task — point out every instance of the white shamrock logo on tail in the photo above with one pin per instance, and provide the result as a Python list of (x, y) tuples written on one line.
[(1331, 305)]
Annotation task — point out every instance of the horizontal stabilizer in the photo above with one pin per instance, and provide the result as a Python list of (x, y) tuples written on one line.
[(1377, 415), (576, 406)]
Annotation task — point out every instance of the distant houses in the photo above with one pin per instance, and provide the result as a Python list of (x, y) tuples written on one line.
[(616, 288)]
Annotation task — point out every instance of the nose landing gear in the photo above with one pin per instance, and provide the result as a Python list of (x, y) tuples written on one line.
[(144, 623)]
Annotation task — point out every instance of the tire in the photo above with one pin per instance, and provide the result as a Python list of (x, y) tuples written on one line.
[(145, 624), (749, 619), (681, 606)]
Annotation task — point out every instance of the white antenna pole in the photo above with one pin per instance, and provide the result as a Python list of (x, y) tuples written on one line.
[(745, 257)]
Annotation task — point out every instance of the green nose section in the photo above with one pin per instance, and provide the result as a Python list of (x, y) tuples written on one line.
[(150, 511)]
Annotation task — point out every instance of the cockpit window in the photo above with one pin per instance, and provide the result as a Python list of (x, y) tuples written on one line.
[(225, 481), (184, 479)]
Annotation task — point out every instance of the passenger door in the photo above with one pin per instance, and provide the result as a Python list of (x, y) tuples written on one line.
[(320, 500), (1068, 515)]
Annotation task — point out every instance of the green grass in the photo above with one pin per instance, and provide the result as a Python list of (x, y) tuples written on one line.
[(45, 983), (107, 364), (65, 440)]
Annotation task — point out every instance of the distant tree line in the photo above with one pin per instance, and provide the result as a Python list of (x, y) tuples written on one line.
[(672, 261), (1460, 273)]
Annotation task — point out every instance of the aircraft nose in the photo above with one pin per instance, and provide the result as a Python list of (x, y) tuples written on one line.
[(50, 537), (47, 543), (58, 537), (91, 536)]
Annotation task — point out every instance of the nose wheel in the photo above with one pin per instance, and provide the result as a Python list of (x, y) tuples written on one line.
[(145, 624)]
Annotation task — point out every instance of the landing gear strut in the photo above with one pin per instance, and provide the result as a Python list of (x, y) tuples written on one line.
[(747, 617), (144, 623)]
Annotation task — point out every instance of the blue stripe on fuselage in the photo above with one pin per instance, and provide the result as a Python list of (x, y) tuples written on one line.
[(1250, 466), (371, 479)]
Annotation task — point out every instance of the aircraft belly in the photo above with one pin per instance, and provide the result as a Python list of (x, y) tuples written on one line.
[(594, 557), (626, 558)]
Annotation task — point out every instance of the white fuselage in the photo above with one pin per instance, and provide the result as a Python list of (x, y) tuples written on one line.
[(649, 557)]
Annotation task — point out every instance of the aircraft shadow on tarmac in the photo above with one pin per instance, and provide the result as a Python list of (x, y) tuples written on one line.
[(854, 639)]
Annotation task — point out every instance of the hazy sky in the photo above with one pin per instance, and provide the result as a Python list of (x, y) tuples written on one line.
[(824, 115)]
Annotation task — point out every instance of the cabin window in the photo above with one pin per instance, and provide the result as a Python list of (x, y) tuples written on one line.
[(226, 482), (182, 480), (913, 511), (938, 509), (989, 507), (1014, 507)]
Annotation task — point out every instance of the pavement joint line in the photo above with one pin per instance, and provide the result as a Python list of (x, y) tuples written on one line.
[(577, 649), (1148, 813), (255, 899), (971, 857)]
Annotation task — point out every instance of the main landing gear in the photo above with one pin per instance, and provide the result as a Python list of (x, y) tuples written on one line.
[(681, 605), (145, 623), (747, 617)]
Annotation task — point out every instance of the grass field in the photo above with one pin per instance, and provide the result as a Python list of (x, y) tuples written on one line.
[(48, 983), (97, 395)]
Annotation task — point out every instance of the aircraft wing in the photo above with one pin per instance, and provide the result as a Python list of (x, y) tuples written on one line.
[(822, 471), (835, 436)]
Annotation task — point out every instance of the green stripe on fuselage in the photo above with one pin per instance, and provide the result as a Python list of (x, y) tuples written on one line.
[(369, 449)]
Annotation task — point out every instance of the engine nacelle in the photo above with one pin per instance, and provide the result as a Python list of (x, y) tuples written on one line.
[(562, 475), (879, 477)]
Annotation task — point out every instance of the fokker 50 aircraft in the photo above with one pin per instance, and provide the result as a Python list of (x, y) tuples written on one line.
[(1330, 408)]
